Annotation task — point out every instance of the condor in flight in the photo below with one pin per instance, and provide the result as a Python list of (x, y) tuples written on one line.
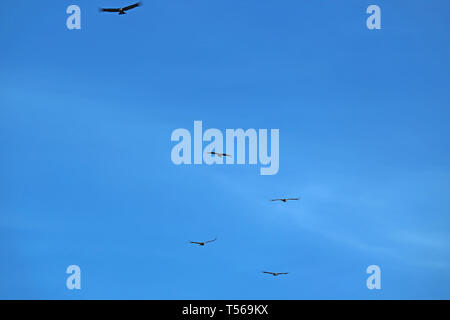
[(122, 10), (203, 243), (275, 273), (220, 154), (285, 199)]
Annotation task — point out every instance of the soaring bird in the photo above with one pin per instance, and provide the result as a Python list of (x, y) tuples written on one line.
[(202, 243), (275, 273), (220, 154), (121, 10), (285, 199)]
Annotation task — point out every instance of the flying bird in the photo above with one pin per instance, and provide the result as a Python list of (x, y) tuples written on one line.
[(275, 273), (203, 243), (285, 199), (121, 10), (220, 154)]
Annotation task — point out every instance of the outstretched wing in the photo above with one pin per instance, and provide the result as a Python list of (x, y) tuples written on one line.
[(283, 272), (109, 9), (211, 240), (226, 155), (137, 4), (293, 199), (276, 199), (195, 242), (268, 272)]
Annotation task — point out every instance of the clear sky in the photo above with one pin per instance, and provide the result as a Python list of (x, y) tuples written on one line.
[(86, 176)]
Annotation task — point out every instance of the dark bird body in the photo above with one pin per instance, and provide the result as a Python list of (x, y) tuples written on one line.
[(121, 10), (285, 199), (202, 243), (220, 154), (275, 273)]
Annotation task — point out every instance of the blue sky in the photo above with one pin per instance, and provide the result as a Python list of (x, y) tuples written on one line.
[(86, 176)]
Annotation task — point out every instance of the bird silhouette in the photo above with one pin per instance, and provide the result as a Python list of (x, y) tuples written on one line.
[(202, 243), (275, 273), (285, 199), (121, 10), (220, 154)]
